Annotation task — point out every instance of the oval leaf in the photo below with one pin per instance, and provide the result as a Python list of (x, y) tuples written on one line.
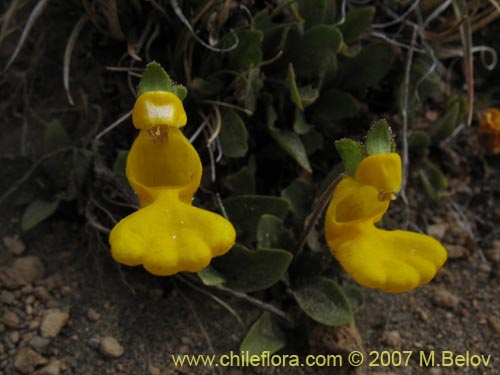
[(315, 53), (244, 211), (323, 301), (233, 136), (368, 67), (357, 21), (209, 276), (252, 270), (264, 336), (36, 212), (443, 128), (271, 233)]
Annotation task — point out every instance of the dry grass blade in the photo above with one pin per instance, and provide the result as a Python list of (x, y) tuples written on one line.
[(7, 17), (460, 9), (68, 52), (113, 125), (35, 13), (185, 21), (216, 299)]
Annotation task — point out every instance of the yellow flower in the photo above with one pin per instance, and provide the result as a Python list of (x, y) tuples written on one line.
[(489, 131), (393, 261), (167, 235)]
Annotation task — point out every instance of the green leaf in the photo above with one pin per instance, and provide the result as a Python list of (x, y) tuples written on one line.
[(380, 139), (120, 162), (209, 276), (308, 95), (368, 67), (300, 126), (242, 182), (247, 89), (419, 139), (55, 136), (264, 336), (292, 87), (445, 126), (351, 153), (354, 294), (297, 196), (233, 136), (292, 144), (316, 12), (314, 56), (155, 78), (357, 21), (433, 179), (245, 211), (248, 53), (334, 105), (288, 140), (323, 301), (313, 141), (38, 211), (252, 270), (272, 233)]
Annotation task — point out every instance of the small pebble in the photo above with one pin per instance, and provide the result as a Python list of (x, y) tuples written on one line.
[(14, 245), (93, 315), (27, 360), (53, 321), (110, 347), (442, 298)]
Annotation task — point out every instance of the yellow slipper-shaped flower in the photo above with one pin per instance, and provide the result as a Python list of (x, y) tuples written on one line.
[(167, 235), (393, 261)]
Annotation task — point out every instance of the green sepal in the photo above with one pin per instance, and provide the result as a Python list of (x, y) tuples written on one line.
[(155, 78)]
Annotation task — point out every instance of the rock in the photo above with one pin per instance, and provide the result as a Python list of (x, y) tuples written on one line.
[(38, 342), (93, 315), (153, 370), (392, 339), (52, 322), (14, 337), (10, 319), (53, 368), (14, 245), (441, 297), (27, 360), (456, 251), (493, 254), (437, 230), (54, 281), (42, 294), (7, 297), (23, 271), (494, 323), (110, 347)]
